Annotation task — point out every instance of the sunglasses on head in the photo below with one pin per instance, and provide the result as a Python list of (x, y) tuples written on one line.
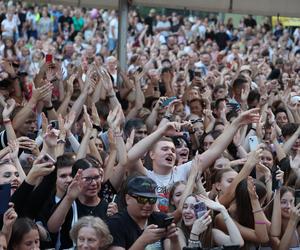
[(144, 200)]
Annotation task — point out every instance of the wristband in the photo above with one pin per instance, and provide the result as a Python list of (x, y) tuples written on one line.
[(257, 211), (260, 222), (194, 243), (168, 116), (5, 121), (120, 134), (111, 96), (49, 108), (99, 129), (61, 141), (195, 234)]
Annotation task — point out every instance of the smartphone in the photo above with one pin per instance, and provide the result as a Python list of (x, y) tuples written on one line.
[(54, 124), (297, 197), (47, 158), (200, 209), (166, 222), (31, 136), (197, 73), (168, 101), (253, 142), (4, 197), (233, 106), (49, 58)]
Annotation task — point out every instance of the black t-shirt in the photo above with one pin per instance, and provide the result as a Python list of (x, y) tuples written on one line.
[(125, 231), (97, 211), (221, 39), (65, 23)]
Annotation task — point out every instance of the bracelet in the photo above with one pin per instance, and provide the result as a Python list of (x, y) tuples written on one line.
[(6, 121), (257, 211), (260, 222), (61, 141), (120, 134), (99, 129), (111, 96), (194, 234), (194, 243), (168, 116), (49, 108)]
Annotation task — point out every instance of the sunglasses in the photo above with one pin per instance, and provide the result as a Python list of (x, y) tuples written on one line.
[(144, 200)]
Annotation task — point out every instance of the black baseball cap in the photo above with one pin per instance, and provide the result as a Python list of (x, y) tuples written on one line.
[(142, 186)]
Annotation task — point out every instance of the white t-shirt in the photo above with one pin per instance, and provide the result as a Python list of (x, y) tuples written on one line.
[(165, 182), (113, 23), (9, 27)]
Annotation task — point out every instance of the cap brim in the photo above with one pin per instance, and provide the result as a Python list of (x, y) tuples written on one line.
[(148, 195)]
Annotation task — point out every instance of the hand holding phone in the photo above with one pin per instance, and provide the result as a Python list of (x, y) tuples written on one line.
[(49, 58), (4, 197), (166, 222), (200, 209)]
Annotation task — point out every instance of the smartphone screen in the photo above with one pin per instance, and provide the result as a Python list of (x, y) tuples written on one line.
[(49, 58), (165, 222), (4, 197), (253, 143), (200, 209), (168, 101), (297, 197)]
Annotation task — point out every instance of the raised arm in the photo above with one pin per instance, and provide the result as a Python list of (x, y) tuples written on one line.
[(229, 194), (86, 138), (221, 143), (291, 228), (291, 141), (8, 106), (37, 95), (140, 148), (58, 217), (234, 237)]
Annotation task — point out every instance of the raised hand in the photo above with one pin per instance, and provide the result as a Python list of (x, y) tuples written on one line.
[(9, 217), (251, 188), (69, 121), (201, 224), (87, 119), (211, 204), (173, 128), (14, 149), (39, 169), (70, 84), (75, 188), (247, 117), (106, 81), (8, 106), (41, 92), (130, 140), (112, 209), (115, 118)]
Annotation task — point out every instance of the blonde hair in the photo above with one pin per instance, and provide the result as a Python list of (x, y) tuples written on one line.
[(98, 225)]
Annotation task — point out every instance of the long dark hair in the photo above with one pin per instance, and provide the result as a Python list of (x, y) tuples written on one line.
[(205, 238), (244, 214), (21, 227)]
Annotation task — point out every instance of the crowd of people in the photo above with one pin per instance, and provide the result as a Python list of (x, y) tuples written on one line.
[(195, 146)]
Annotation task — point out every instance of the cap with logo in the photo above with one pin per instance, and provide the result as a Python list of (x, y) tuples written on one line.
[(142, 186)]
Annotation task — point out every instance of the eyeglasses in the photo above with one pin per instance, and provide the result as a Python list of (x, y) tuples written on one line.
[(144, 200), (90, 179)]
